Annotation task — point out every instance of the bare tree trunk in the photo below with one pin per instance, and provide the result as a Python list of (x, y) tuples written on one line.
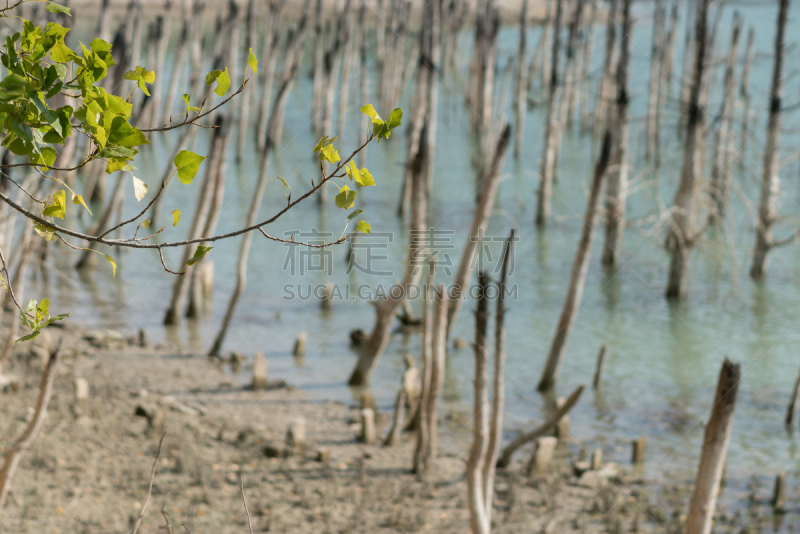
[(479, 222), (546, 45), (583, 84), (686, 78), (181, 283), (605, 92), (250, 92), (771, 180), (476, 497), (521, 84), (14, 451), (744, 93), (619, 121), (177, 69), (499, 393), (579, 269), (423, 436), (386, 309), (715, 446), (668, 66), (655, 81), (362, 156), (319, 76), (682, 217), (721, 174), (196, 282), (271, 42), (551, 130)]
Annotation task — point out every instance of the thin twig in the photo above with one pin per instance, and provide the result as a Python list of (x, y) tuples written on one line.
[(249, 523), (150, 487)]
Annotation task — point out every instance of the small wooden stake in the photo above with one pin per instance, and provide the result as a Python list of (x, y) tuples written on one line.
[(598, 370), (562, 428), (542, 454), (597, 459), (300, 345), (639, 450), (368, 432), (779, 493), (260, 371)]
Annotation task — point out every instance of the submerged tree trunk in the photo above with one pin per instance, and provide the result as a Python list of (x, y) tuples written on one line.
[(619, 120), (551, 130), (605, 90), (579, 269), (682, 217), (521, 84), (721, 174), (744, 94), (770, 179), (656, 56)]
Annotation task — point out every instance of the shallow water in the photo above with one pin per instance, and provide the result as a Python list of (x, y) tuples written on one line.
[(664, 359)]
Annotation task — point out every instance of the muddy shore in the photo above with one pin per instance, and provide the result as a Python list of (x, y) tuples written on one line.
[(88, 471)]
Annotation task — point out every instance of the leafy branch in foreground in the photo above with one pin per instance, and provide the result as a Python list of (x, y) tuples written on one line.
[(43, 73)]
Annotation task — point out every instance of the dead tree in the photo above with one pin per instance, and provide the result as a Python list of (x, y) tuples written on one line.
[(551, 130), (605, 92), (770, 179), (721, 173), (479, 223), (498, 388), (744, 94), (521, 83), (682, 232), (425, 416), (656, 56), (387, 306), (579, 270), (619, 121), (487, 424), (267, 71), (211, 220), (15, 450), (181, 284), (715, 446), (249, 94), (583, 83)]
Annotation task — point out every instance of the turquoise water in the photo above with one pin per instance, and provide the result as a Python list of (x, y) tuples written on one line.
[(664, 358)]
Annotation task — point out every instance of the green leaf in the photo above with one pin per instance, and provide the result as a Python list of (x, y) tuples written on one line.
[(223, 83), (113, 265), (188, 107), (139, 188), (363, 226), (365, 178), (324, 142), (252, 62), (329, 154), (52, 7), (61, 53), (59, 206), (211, 76), (142, 76), (198, 254), (354, 214), (370, 112), (176, 216), (346, 198), (188, 163), (47, 232), (395, 118), (146, 223), (78, 200)]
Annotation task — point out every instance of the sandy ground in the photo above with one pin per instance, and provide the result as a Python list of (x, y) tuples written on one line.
[(88, 471)]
